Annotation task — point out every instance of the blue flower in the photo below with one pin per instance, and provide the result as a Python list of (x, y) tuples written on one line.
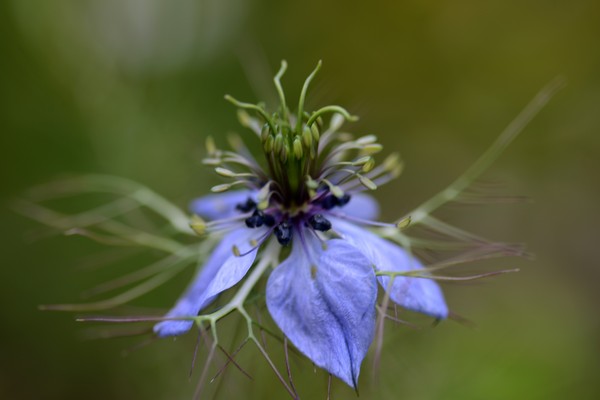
[(298, 217), (323, 295), (310, 198)]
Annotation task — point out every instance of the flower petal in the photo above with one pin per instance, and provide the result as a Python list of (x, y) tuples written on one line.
[(362, 206), (416, 294), (324, 302), (220, 205), (222, 271)]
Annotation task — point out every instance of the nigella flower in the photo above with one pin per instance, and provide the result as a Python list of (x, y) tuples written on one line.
[(323, 294), (299, 215), (310, 197)]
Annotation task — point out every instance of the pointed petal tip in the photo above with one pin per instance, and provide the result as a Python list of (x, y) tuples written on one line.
[(415, 294), (172, 328), (328, 315)]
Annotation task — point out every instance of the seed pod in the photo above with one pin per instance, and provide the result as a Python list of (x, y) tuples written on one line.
[(307, 138), (264, 133), (298, 152), (278, 144), (268, 146), (315, 132)]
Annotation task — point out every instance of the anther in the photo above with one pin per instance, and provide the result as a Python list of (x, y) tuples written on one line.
[(342, 201), (283, 233), (256, 220), (319, 223), (248, 206), (269, 220), (330, 202), (198, 225)]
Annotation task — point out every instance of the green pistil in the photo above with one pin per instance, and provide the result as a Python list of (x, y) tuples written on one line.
[(291, 147)]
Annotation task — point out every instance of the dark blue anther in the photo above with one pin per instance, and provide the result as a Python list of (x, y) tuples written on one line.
[(283, 233), (256, 220), (342, 201), (319, 223), (329, 202), (269, 220), (248, 206)]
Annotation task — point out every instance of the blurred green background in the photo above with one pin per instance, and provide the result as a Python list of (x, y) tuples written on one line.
[(132, 88)]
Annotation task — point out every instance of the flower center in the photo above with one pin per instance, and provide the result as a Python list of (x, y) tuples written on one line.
[(283, 223), (307, 167)]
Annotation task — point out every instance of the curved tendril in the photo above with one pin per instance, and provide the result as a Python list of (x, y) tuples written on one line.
[(303, 95), (254, 107), (331, 109), (277, 81)]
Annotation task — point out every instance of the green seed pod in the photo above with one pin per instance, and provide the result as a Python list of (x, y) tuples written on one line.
[(278, 145), (320, 121), (307, 137), (283, 154), (268, 146), (298, 152), (315, 132), (264, 133)]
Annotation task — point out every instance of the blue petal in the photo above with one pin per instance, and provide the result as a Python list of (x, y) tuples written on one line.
[(325, 304), (415, 294), (220, 205), (362, 206), (222, 271)]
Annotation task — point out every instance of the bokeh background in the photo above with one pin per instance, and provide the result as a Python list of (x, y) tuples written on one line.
[(132, 88)]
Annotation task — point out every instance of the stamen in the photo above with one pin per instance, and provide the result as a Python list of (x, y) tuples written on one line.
[(331, 201), (259, 218), (319, 223), (248, 122), (254, 243), (226, 173), (255, 221), (365, 221), (211, 148), (198, 225), (248, 206), (335, 190), (284, 233), (226, 186)]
